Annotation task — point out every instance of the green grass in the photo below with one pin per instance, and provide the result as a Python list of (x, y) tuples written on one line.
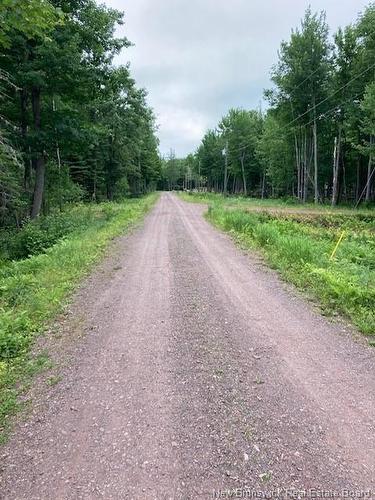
[(299, 243), (247, 203), (35, 289)]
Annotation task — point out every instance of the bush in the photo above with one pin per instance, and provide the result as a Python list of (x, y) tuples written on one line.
[(36, 236), (15, 334)]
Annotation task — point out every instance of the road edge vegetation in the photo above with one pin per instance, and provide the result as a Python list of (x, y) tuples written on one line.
[(299, 246), (35, 289)]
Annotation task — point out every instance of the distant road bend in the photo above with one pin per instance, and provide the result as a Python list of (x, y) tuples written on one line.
[(199, 371)]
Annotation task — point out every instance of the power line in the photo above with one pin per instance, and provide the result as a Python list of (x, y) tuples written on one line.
[(245, 146), (334, 93), (319, 117), (305, 80), (326, 113)]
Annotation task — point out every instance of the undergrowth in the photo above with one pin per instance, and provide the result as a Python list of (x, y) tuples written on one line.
[(36, 236)]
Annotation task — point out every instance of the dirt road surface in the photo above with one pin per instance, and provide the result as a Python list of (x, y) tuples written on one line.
[(197, 371)]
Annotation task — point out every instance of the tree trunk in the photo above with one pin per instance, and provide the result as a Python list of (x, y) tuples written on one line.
[(23, 120), (243, 174), (344, 186), (358, 180), (334, 173), (39, 161), (369, 173), (264, 183), (316, 194), (336, 166), (58, 157), (298, 165), (234, 185), (305, 169), (226, 170), (38, 188)]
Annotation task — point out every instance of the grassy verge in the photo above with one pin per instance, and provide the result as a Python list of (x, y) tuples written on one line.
[(299, 243), (33, 290), (269, 204)]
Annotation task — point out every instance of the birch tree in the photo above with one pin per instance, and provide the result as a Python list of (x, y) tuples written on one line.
[(301, 78)]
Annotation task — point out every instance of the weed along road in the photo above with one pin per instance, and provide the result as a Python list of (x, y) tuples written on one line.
[(192, 370)]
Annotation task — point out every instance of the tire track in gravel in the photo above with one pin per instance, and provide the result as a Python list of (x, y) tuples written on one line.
[(199, 371), (336, 373)]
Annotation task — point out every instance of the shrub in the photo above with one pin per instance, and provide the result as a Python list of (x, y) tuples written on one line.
[(36, 236), (14, 336)]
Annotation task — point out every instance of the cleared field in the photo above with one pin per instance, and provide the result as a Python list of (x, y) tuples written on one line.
[(299, 241)]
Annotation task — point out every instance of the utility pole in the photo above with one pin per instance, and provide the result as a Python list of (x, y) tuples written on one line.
[(225, 152)]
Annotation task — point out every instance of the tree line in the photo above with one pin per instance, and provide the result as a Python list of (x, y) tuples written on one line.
[(316, 141), (72, 125)]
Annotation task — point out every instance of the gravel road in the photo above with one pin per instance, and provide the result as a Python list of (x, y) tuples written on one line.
[(187, 368)]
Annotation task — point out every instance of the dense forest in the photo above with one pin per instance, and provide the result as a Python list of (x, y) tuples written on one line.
[(73, 126), (316, 141)]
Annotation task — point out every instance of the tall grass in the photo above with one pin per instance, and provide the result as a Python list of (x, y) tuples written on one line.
[(299, 247)]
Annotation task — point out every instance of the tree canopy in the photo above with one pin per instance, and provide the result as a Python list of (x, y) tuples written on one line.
[(316, 139), (73, 125)]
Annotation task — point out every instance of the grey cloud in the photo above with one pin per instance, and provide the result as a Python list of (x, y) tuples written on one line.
[(199, 58)]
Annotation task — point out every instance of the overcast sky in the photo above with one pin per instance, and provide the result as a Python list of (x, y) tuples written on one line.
[(198, 58)]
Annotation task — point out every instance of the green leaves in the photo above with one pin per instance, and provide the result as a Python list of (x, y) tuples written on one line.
[(368, 108), (34, 289), (321, 106), (80, 116), (31, 19), (14, 336)]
